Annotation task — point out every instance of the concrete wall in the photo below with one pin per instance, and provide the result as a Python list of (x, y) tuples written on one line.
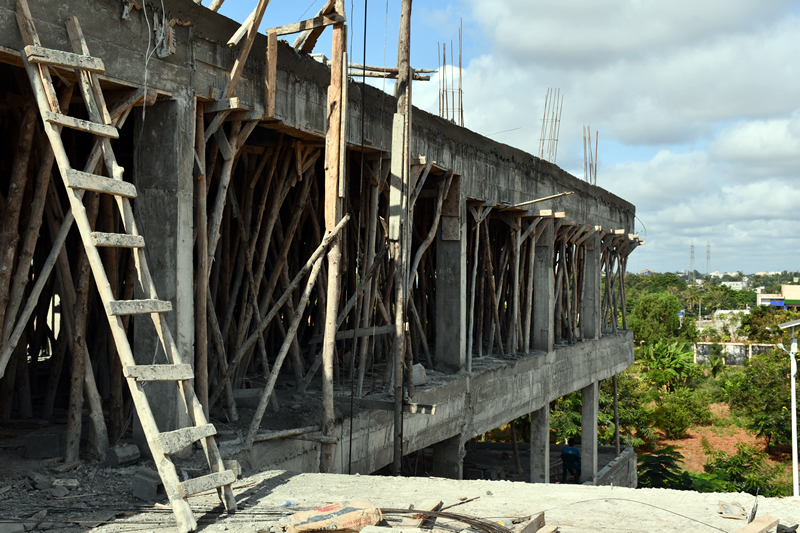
[(466, 405), (735, 353), (621, 471)]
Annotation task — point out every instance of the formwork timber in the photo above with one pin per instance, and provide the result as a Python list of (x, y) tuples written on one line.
[(506, 309)]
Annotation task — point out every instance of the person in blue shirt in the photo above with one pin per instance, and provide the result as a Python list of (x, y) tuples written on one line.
[(571, 462)]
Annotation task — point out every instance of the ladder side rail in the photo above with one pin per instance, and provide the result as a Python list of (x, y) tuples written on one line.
[(39, 76)]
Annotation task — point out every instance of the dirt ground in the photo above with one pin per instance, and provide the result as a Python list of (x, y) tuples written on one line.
[(721, 438)]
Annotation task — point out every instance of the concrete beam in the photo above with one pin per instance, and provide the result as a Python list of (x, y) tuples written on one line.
[(466, 405), (590, 396), (451, 282), (448, 458), (544, 289), (540, 445), (165, 186), (590, 310)]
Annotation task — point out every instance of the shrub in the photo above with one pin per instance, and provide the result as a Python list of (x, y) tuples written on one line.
[(748, 471), (679, 410)]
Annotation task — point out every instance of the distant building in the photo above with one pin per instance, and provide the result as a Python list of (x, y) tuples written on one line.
[(735, 285), (646, 272), (789, 298)]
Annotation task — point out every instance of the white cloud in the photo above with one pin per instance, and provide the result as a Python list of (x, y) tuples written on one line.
[(695, 102)]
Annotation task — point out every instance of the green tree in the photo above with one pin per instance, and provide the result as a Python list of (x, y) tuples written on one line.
[(761, 325), (762, 393), (655, 317), (667, 365)]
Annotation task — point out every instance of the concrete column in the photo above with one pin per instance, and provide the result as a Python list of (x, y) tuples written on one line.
[(448, 458), (540, 445), (451, 283), (164, 209), (590, 396), (544, 289), (590, 310)]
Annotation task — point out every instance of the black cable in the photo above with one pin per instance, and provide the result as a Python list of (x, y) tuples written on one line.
[(635, 501)]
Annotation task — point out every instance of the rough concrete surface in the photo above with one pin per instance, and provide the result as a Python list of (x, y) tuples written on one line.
[(100, 499)]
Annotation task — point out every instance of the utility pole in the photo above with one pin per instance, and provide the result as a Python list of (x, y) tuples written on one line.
[(793, 356), (398, 216)]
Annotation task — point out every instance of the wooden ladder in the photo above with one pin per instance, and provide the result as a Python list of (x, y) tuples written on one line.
[(37, 61)]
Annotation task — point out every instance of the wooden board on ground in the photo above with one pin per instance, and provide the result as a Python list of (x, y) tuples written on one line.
[(416, 520), (762, 524), (532, 525)]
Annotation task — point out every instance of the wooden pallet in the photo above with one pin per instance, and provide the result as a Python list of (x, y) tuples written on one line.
[(38, 61)]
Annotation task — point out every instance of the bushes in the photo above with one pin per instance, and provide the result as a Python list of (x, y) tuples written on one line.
[(668, 365), (761, 392), (679, 410), (747, 471)]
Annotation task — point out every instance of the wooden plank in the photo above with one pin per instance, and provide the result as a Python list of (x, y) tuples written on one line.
[(358, 333), (416, 520), (204, 483), (310, 24), (762, 524), (271, 74), (174, 441), (81, 125), (545, 212), (244, 52), (534, 524), (138, 307), (212, 128), (92, 182), (117, 240), (396, 178), (159, 372), (270, 435), (305, 42), (37, 54), (225, 104)]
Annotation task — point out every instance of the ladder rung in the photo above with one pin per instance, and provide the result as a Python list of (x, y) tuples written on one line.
[(138, 307), (159, 372), (117, 240), (81, 125), (202, 484), (37, 54), (174, 441), (92, 182)]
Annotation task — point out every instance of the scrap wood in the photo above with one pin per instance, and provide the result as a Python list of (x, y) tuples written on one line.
[(214, 491), (732, 510), (761, 524), (532, 524), (487, 526), (463, 501), (416, 519)]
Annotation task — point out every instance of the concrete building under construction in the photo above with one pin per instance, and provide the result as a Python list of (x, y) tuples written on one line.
[(287, 267)]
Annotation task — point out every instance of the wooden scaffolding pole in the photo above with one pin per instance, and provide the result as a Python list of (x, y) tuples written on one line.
[(335, 149), (398, 222)]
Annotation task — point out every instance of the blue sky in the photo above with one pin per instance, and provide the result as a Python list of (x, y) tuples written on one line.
[(697, 105)]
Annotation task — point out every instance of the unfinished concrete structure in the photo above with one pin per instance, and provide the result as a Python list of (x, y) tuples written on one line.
[(241, 182)]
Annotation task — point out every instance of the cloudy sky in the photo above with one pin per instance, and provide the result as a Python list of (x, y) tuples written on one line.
[(697, 104)]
